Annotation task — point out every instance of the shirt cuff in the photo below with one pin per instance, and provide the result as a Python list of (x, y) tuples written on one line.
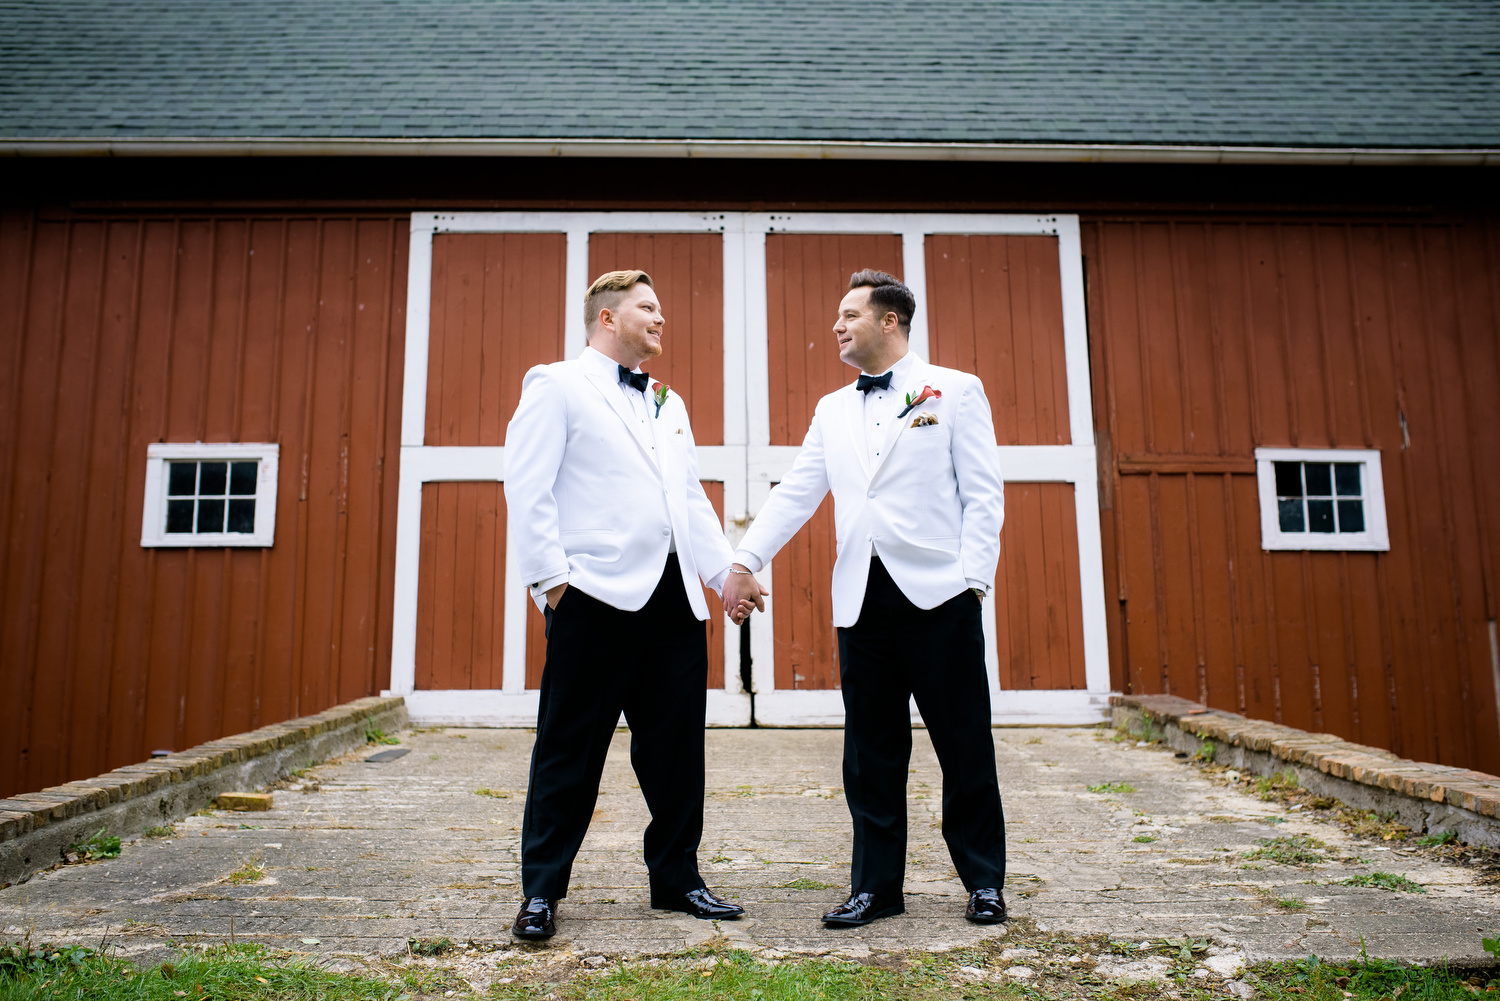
[(716, 582), (979, 586), (543, 586), (749, 560)]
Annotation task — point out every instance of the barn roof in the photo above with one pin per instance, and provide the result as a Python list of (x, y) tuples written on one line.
[(1374, 74)]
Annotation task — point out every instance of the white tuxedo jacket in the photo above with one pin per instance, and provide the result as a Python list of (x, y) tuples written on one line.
[(587, 500), (931, 507)]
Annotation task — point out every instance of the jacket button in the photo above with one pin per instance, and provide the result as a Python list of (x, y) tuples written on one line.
[(872, 493), (666, 532)]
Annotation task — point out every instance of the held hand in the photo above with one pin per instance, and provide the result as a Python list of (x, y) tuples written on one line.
[(742, 592), (554, 594)]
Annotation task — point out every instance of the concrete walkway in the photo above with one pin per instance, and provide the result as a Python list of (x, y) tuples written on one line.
[(362, 857)]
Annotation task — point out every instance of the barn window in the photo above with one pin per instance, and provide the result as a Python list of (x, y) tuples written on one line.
[(210, 495), (1321, 498)]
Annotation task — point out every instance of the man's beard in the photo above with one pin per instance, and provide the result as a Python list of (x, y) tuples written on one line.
[(644, 346)]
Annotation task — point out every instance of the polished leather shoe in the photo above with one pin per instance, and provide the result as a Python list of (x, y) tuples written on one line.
[(986, 907), (535, 919), (701, 903), (862, 908)]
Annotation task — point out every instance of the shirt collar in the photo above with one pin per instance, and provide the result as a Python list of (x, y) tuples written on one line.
[(901, 371), (602, 363)]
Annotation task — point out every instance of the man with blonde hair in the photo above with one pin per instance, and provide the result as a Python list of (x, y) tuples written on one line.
[(614, 534)]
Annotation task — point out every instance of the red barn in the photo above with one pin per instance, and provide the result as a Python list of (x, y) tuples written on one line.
[(270, 277)]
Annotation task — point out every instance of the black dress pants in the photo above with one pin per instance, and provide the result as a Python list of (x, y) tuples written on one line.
[(897, 651), (651, 664)]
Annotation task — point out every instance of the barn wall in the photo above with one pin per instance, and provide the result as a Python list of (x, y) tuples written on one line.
[(1211, 338), (117, 332)]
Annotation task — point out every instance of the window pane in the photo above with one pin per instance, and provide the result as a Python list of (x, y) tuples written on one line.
[(1288, 480), (180, 513), (210, 515), (242, 515), (1351, 516), (1346, 478), (181, 477), (242, 479), (1290, 513), (1319, 515), (212, 482), (1319, 479)]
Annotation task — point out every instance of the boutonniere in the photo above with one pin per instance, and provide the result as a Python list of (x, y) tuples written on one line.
[(659, 391), (912, 399)]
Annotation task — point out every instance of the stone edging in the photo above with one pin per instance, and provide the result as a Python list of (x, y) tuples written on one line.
[(1423, 796), (36, 828)]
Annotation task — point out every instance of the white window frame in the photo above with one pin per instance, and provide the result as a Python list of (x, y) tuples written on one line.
[(154, 513), (1375, 537)]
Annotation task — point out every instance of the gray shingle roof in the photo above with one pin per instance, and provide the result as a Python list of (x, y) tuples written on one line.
[(1366, 73)]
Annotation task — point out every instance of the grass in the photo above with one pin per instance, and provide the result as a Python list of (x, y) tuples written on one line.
[(1064, 971), (1394, 882), (377, 736), (100, 846), (1107, 787), (1298, 849), (803, 883), (1289, 903), (1143, 839), (165, 831), (492, 793), (252, 871), (227, 973), (1365, 979)]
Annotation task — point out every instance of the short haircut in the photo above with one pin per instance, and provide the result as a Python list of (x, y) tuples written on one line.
[(887, 295), (607, 291)]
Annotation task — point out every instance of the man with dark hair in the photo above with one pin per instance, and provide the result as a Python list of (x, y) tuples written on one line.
[(908, 451), (613, 530)]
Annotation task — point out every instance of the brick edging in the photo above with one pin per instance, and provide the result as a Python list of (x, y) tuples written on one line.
[(35, 828), (1424, 796)]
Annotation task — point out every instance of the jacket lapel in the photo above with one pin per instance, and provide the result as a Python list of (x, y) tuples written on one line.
[(617, 403)]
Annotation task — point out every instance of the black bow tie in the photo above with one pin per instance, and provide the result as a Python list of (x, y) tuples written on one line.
[(869, 382), (637, 380)]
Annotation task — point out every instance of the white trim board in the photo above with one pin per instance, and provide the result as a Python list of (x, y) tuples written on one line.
[(746, 463), (500, 708), (1013, 708)]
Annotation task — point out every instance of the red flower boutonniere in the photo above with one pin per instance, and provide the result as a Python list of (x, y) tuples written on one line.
[(659, 391), (912, 399)]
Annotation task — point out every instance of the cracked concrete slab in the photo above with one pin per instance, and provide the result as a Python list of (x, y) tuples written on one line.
[(359, 858)]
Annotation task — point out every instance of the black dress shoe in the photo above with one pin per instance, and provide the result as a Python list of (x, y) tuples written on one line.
[(862, 908), (535, 919), (699, 903), (986, 907)]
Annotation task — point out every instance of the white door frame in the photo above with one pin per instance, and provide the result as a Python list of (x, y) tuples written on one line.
[(513, 704), (746, 463), (1075, 463)]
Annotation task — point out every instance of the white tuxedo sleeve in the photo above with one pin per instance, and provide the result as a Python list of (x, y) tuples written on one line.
[(794, 500), (711, 552), (980, 489), (534, 446)]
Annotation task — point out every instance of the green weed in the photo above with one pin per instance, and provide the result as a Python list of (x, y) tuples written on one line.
[(1298, 849), (803, 883), (1434, 840), (492, 793), (165, 831), (377, 736), (1394, 882), (1206, 752), (100, 846), (1118, 787), (1143, 839)]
